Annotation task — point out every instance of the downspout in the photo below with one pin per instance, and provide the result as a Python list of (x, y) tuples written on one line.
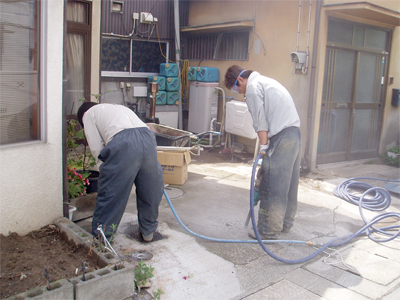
[(64, 122), (312, 85), (177, 56)]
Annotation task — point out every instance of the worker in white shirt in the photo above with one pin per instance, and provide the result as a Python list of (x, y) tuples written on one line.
[(126, 153), (276, 121)]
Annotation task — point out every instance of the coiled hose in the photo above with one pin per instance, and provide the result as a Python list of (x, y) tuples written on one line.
[(367, 229)]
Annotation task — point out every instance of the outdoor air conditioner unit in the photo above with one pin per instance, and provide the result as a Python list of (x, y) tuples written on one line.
[(146, 17)]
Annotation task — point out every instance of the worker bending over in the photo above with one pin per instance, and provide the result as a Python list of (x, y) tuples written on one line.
[(126, 153), (277, 123)]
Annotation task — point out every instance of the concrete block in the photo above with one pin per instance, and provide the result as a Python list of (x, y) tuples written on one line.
[(79, 236), (113, 282), (61, 289)]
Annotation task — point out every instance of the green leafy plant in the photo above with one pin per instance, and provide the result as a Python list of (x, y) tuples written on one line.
[(78, 161), (114, 230), (81, 160), (157, 294), (142, 274), (77, 183), (392, 157)]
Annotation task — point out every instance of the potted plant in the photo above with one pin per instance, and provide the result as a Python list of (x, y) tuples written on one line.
[(82, 179)]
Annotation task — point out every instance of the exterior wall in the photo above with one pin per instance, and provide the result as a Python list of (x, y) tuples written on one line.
[(390, 131), (391, 126), (31, 174), (276, 25), (96, 46), (277, 32)]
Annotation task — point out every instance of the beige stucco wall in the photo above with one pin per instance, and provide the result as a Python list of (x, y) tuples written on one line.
[(31, 174), (391, 125), (390, 132), (277, 29)]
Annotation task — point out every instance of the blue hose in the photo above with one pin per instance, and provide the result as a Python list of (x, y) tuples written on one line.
[(380, 201), (224, 240)]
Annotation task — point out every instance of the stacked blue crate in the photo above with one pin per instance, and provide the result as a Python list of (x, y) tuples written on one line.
[(159, 79), (172, 98), (172, 82), (161, 98), (169, 70), (206, 74), (192, 74)]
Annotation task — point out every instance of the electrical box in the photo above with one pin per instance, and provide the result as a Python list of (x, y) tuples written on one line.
[(299, 58), (116, 6), (146, 17), (139, 91), (396, 97)]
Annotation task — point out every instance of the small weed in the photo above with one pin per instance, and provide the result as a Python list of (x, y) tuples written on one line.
[(392, 157), (157, 294), (142, 274), (114, 229)]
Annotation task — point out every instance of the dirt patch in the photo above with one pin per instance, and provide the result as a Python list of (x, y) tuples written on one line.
[(24, 260)]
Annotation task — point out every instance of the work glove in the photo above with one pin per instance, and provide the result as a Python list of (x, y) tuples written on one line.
[(264, 148)]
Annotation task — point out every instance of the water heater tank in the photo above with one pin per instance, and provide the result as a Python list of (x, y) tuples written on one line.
[(203, 105)]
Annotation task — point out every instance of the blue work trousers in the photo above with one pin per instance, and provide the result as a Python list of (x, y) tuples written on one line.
[(129, 158), (279, 183)]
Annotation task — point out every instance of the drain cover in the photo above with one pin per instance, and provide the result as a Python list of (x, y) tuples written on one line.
[(173, 192), (141, 255), (132, 232)]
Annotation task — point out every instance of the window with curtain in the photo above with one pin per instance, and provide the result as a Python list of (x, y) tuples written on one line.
[(19, 71), (78, 54)]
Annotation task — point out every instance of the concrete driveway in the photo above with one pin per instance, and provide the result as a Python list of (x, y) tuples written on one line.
[(214, 202)]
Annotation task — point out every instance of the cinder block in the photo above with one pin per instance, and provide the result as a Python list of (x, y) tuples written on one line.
[(79, 236), (60, 289), (106, 283)]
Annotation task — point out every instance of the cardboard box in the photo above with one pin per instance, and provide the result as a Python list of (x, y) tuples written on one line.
[(174, 165)]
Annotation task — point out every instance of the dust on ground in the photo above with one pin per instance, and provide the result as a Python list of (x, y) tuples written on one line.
[(24, 260)]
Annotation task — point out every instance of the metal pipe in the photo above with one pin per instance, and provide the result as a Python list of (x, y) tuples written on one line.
[(312, 84), (305, 70), (298, 27), (223, 108), (177, 53)]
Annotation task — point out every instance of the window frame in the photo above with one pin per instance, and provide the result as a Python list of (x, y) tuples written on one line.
[(41, 77), (218, 41), (130, 73)]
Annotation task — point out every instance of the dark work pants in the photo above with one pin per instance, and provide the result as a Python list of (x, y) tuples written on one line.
[(279, 183), (129, 158)]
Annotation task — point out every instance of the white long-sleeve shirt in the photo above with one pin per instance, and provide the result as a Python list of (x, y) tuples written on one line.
[(103, 121), (270, 105)]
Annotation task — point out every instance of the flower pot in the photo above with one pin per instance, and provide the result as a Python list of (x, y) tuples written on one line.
[(93, 179)]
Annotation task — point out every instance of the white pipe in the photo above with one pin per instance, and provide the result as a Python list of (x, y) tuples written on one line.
[(298, 27), (223, 108), (212, 129), (305, 69), (177, 53)]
